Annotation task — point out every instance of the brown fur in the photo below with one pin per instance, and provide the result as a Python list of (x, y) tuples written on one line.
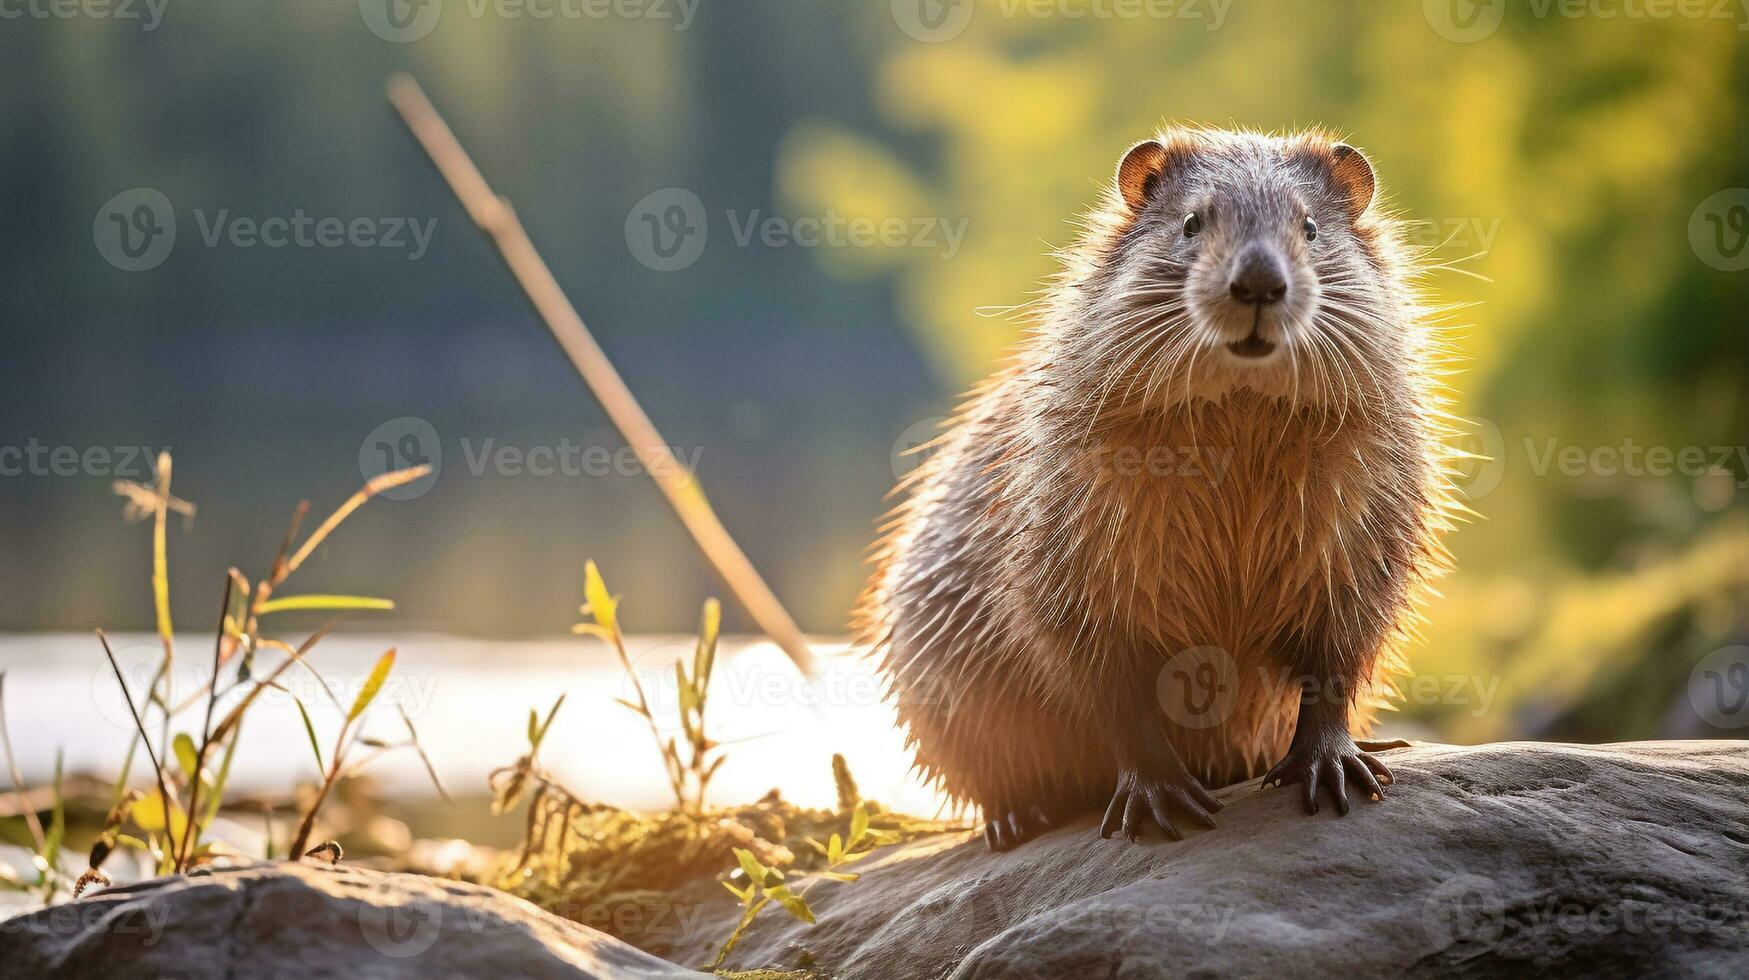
[(1288, 516)]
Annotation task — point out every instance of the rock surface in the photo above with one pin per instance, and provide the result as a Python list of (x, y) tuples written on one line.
[(304, 920), (1511, 859)]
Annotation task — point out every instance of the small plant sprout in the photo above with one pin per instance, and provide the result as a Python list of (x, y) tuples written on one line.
[(343, 742), (552, 809), (45, 851), (689, 768), (173, 818), (765, 885)]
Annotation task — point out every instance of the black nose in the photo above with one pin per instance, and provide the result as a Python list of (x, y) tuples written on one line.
[(1260, 279)]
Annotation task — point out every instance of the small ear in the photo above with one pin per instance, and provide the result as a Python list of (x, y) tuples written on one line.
[(1353, 174), (1138, 173)]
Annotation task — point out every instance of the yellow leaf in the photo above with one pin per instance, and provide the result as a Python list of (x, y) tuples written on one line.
[(372, 685), (302, 602), (183, 746), (704, 657), (148, 814), (601, 603)]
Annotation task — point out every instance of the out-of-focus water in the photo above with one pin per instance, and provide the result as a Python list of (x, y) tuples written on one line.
[(470, 700)]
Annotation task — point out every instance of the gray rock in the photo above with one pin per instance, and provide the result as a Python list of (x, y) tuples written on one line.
[(1512, 859), (305, 920)]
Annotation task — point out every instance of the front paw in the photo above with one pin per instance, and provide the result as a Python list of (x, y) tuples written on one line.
[(1142, 798), (1331, 761), (1007, 829)]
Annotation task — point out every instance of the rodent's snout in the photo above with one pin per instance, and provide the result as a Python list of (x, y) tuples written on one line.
[(1259, 276)]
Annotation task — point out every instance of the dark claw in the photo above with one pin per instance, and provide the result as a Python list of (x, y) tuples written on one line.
[(1364, 777), (1141, 799), (1012, 828), (1330, 763)]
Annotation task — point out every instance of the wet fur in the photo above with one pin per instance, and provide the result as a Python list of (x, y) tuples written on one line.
[(1043, 560)]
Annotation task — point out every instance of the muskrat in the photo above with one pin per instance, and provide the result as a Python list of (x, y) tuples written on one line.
[(1182, 533)]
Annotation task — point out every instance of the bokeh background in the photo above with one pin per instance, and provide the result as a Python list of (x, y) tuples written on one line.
[(1577, 171)]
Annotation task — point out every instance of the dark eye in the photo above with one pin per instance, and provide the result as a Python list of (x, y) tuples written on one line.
[(1192, 224), (1311, 230)]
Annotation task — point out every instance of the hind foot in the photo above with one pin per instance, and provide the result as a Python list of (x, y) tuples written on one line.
[(1008, 829), (1143, 797), (1323, 754)]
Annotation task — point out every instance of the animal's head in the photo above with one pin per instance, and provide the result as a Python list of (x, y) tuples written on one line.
[(1226, 260)]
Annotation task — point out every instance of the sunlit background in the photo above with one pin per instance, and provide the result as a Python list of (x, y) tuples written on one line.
[(1577, 173)]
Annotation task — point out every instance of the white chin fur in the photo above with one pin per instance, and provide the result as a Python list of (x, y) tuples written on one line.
[(1219, 371)]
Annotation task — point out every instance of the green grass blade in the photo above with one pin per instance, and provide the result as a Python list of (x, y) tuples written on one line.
[(218, 788), (309, 730)]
